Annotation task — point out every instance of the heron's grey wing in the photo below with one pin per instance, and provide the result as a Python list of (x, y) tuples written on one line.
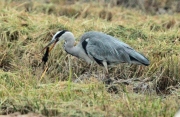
[(103, 47), (109, 49)]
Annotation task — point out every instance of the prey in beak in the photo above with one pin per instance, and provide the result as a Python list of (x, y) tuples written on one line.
[(54, 41), (48, 49)]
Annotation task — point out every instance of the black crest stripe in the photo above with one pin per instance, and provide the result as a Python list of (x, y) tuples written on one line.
[(62, 32)]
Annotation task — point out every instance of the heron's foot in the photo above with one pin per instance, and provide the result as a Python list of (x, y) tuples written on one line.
[(107, 81), (107, 76), (112, 89), (110, 86)]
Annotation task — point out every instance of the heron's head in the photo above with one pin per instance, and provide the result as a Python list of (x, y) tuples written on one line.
[(60, 35)]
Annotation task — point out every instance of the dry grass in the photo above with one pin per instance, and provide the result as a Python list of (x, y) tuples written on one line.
[(142, 91)]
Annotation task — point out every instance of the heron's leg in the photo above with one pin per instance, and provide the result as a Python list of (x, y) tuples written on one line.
[(107, 79), (91, 64), (106, 68)]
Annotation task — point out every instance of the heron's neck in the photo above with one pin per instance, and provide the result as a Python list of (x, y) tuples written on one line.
[(73, 50), (69, 46)]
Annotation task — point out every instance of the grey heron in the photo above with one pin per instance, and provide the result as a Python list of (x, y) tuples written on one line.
[(99, 47)]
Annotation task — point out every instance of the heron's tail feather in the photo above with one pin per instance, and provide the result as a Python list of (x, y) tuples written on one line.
[(138, 58)]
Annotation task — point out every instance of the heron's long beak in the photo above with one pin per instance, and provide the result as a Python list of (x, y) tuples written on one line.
[(52, 42)]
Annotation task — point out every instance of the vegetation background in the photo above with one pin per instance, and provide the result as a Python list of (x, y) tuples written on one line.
[(67, 87)]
